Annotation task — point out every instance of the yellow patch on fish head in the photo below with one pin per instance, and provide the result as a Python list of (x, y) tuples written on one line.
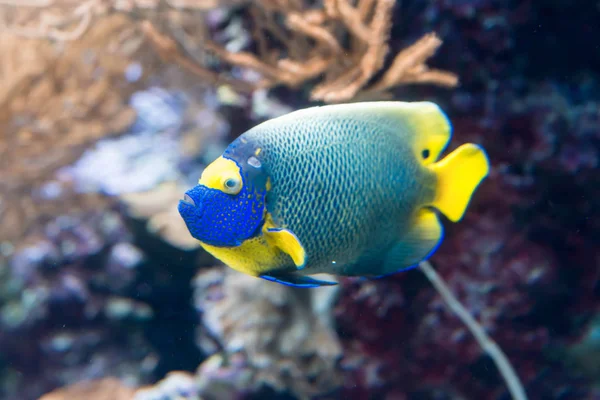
[(222, 174)]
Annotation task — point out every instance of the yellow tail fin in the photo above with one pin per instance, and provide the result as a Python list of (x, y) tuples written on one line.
[(458, 175)]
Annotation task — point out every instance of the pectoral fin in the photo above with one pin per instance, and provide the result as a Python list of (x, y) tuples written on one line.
[(297, 280), (287, 242)]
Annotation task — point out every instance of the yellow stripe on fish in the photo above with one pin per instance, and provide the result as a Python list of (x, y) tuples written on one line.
[(350, 190)]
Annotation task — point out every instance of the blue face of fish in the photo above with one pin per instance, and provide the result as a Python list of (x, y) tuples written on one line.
[(225, 208)]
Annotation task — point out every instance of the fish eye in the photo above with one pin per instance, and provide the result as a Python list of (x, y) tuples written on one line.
[(425, 154), (232, 185)]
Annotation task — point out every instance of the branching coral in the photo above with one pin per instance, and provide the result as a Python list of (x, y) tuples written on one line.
[(56, 101), (309, 43), (84, 82), (66, 20), (342, 43), (487, 344), (58, 98)]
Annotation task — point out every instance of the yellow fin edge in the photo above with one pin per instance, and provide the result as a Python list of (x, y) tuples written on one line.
[(458, 175)]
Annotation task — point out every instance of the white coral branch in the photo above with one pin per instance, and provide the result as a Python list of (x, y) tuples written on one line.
[(487, 344)]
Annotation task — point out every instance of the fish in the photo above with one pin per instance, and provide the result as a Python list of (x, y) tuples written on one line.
[(355, 190)]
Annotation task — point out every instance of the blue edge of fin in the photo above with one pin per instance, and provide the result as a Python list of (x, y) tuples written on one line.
[(298, 281)]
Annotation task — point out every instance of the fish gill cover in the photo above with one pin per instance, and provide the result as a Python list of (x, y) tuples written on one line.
[(99, 277)]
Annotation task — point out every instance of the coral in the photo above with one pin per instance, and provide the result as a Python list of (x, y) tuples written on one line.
[(159, 206), (481, 38), (296, 43), (104, 389), (265, 334), (68, 94), (148, 167), (71, 278), (547, 166), (62, 98), (87, 103), (175, 386), (65, 313), (487, 344), (77, 266), (409, 349), (259, 335), (67, 20), (147, 154)]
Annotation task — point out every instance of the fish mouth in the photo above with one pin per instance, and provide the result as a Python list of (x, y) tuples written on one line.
[(187, 207), (188, 200)]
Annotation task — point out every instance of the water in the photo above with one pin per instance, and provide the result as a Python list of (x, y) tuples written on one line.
[(107, 122)]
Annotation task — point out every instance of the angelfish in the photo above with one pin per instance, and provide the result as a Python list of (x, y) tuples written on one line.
[(350, 190)]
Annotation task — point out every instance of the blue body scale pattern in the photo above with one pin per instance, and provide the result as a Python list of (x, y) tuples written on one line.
[(348, 183), (347, 187)]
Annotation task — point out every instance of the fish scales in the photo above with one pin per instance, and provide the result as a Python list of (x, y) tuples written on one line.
[(350, 190), (342, 186)]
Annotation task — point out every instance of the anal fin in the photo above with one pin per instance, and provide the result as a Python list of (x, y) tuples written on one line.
[(417, 245), (297, 280)]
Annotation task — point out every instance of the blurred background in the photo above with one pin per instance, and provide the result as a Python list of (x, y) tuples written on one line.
[(110, 109)]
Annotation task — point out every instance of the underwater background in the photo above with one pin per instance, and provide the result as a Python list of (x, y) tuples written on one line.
[(110, 110)]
